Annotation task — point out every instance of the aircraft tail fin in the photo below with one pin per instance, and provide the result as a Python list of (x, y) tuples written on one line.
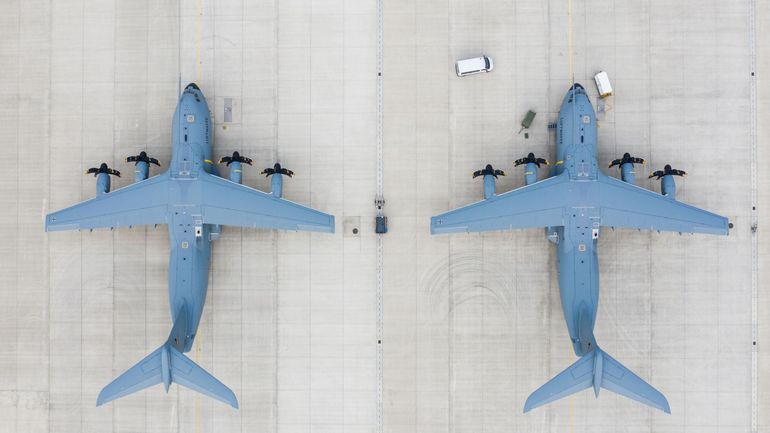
[(165, 365), (597, 369)]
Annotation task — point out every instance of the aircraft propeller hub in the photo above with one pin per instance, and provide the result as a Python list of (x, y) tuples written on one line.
[(277, 169), (236, 157)]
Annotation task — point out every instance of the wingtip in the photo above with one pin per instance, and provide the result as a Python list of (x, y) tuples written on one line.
[(435, 226), (664, 406), (101, 400), (528, 405)]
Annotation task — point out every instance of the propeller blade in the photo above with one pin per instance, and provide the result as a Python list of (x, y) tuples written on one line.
[(102, 169)]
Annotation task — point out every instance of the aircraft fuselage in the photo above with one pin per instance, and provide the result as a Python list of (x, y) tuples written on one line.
[(189, 239), (577, 241)]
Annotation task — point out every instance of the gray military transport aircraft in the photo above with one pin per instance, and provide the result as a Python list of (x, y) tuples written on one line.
[(573, 205), (194, 202)]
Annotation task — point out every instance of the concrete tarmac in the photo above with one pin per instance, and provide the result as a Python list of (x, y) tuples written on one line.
[(472, 323)]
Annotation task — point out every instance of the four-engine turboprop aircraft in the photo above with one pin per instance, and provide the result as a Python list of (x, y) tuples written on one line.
[(194, 201), (573, 204)]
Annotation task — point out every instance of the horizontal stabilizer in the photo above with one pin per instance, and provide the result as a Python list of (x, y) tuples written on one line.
[(598, 370), (576, 377), (188, 374), (166, 365), (144, 374), (623, 381)]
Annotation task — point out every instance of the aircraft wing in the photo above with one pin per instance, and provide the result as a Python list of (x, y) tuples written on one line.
[(626, 205), (538, 205), (228, 203), (137, 204)]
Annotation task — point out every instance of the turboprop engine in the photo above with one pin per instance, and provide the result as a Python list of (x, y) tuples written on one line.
[(626, 166), (234, 162), (490, 175), (142, 165), (102, 175), (532, 164), (666, 177), (276, 183)]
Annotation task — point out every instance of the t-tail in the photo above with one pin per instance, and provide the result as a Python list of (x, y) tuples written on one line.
[(599, 370), (165, 365)]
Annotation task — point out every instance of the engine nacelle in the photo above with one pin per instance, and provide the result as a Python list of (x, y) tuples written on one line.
[(141, 171), (530, 173), (490, 176), (627, 173), (142, 165), (236, 172), (531, 164), (102, 184), (102, 175), (668, 186), (667, 183), (626, 165), (276, 183), (235, 163), (489, 186)]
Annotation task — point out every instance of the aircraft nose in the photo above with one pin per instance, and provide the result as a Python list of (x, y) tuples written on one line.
[(192, 86)]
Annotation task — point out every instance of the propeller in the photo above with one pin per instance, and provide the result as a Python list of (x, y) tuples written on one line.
[(667, 171), (530, 159), (235, 158), (488, 171), (102, 169), (277, 169), (627, 158), (142, 157)]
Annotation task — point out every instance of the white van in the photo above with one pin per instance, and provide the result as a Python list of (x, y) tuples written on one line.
[(474, 66), (603, 84)]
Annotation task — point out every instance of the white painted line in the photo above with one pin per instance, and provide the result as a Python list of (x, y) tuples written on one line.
[(754, 218), (379, 360)]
